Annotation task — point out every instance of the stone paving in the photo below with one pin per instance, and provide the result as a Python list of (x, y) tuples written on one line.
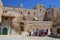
[(19, 37)]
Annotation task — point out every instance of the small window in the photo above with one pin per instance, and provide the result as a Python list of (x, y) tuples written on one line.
[(21, 12), (28, 13), (34, 13), (43, 6), (6, 18), (40, 9)]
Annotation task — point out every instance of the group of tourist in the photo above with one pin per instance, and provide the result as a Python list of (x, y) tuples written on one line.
[(37, 32)]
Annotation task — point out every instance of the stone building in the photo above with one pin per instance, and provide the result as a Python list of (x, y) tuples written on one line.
[(27, 19), (29, 13), (6, 24), (53, 14)]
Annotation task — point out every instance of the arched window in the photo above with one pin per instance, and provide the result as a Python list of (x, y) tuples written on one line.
[(40, 9), (28, 13), (21, 12)]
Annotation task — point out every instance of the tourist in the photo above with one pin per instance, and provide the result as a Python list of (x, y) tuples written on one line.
[(40, 33), (29, 31), (49, 33), (44, 32), (32, 33), (37, 32)]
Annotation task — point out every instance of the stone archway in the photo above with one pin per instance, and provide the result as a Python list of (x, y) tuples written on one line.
[(5, 31), (22, 26)]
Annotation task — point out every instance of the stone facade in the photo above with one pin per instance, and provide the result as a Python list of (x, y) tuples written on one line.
[(31, 18), (32, 25), (53, 14), (29, 14), (27, 19)]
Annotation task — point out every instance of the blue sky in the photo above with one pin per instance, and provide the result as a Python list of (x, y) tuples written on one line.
[(31, 3)]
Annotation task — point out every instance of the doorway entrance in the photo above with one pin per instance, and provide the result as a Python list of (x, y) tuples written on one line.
[(5, 31), (22, 26), (58, 30)]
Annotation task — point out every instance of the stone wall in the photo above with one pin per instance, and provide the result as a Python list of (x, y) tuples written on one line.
[(31, 25)]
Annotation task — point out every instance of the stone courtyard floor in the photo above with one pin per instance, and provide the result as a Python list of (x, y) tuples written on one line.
[(19, 37)]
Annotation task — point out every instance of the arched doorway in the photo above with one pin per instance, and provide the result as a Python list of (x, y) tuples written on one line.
[(22, 26), (5, 31)]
